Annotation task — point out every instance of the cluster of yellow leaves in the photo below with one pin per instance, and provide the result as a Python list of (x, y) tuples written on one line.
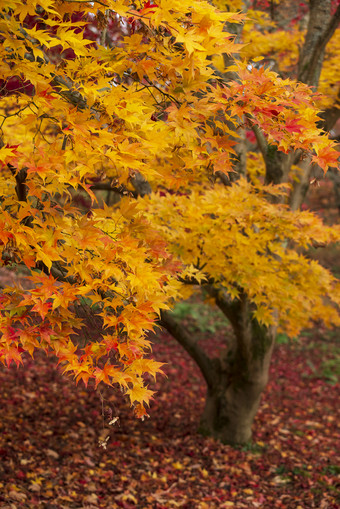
[(330, 74), (255, 168), (96, 115), (124, 135), (246, 243), (229, 5), (262, 36)]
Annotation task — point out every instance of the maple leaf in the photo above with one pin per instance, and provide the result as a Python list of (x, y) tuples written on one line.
[(11, 353), (141, 366), (140, 412), (140, 394), (42, 308)]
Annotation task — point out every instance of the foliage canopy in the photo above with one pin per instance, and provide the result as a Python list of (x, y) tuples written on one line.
[(149, 109)]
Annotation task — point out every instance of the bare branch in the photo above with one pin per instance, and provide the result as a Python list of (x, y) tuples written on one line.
[(300, 187), (228, 307), (331, 115)]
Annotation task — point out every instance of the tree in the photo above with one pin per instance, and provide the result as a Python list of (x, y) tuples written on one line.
[(110, 96), (242, 244)]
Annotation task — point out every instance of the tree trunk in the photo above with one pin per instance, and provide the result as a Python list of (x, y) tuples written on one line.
[(232, 402), (236, 379), (241, 374)]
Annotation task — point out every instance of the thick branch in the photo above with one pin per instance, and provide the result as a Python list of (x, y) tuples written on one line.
[(190, 345), (58, 273), (300, 188), (253, 341), (65, 88), (107, 186), (261, 140), (225, 179), (229, 308), (334, 175), (141, 185), (20, 177), (275, 161), (87, 2)]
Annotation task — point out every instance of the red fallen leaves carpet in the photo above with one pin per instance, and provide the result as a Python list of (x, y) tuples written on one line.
[(49, 433)]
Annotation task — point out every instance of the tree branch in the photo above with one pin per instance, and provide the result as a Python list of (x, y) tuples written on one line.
[(87, 2), (223, 178), (253, 341), (229, 308), (141, 185), (190, 345), (107, 186), (261, 140), (301, 186), (65, 89), (20, 177), (275, 162)]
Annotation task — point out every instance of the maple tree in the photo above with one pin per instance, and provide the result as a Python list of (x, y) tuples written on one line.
[(241, 243), (129, 98)]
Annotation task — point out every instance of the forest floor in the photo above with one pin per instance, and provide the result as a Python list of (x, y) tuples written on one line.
[(50, 457)]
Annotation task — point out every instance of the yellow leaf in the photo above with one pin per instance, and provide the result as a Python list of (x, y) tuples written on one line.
[(140, 394), (248, 491), (178, 466)]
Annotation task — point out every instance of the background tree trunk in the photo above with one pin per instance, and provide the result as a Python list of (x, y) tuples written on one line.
[(321, 27)]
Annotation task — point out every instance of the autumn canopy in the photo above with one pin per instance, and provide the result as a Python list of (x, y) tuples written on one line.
[(84, 113)]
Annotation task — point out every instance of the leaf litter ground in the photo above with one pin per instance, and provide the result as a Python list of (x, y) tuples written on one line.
[(50, 432)]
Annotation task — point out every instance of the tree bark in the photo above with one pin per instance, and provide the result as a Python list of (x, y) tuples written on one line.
[(301, 186), (319, 31), (241, 374), (232, 403)]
